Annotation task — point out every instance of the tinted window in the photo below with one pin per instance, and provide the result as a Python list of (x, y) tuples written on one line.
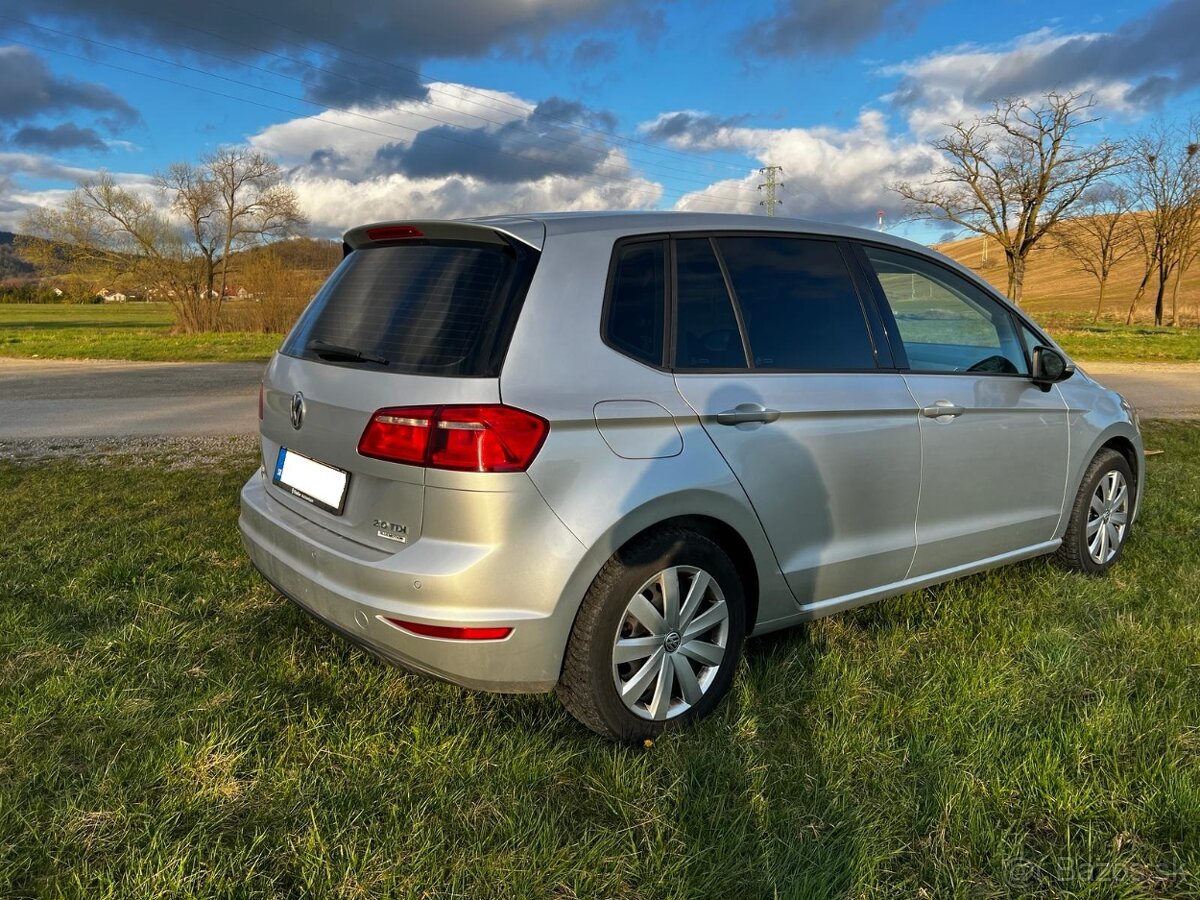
[(798, 303), (424, 308), (947, 324), (635, 306), (707, 331)]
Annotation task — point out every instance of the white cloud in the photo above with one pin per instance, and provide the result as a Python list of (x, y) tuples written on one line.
[(345, 176), (840, 175)]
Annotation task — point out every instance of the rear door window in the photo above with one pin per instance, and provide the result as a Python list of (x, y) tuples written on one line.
[(798, 302), (418, 308), (637, 301), (707, 334)]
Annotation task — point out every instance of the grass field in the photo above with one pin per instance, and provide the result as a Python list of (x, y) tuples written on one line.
[(141, 331), (171, 727), (138, 331)]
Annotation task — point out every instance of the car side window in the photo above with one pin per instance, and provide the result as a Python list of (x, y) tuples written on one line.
[(798, 303), (706, 333), (637, 300), (946, 323)]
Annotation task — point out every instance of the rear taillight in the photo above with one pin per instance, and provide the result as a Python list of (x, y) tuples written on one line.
[(452, 632), (480, 438), (261, 391)]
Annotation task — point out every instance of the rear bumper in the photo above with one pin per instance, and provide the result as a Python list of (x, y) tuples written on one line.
[(350, 588)]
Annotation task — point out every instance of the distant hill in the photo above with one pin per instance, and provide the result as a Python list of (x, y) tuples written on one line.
[(311, 254), (11, 265), (1054, 283)]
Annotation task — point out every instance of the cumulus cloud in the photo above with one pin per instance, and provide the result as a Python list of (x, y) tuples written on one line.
[(366, 51), (66, 136), (525, 157), (699, 130), (1131, 69), (831, 174), (825, 27), (28, 89), (16, 199)]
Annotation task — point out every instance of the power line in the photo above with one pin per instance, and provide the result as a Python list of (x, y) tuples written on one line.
[(424, 80), (291, 112), (716, 199), (602, 152)]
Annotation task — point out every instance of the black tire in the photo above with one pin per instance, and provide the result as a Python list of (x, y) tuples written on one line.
[(1074, 553), (587, 687)]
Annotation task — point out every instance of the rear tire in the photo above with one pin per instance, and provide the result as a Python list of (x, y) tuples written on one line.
[(1100, 517), (657, 638)]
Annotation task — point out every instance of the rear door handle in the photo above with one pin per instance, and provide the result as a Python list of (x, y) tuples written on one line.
[(747, 412), (942, 408)]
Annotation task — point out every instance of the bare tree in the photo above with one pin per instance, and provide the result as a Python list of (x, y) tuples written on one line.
[(1100, 236), (254, 206), (231, 201), (1012, 174), (1165, 173)]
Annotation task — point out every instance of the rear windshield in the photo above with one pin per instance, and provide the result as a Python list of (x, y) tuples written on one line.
[(424, 308)]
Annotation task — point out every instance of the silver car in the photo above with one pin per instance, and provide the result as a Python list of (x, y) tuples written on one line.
[(591, 453)]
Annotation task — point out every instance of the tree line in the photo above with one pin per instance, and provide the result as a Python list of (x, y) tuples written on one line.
[(180, 243), (1023, 175)]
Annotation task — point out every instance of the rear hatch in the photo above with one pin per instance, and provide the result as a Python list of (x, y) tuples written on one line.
[(418, 315)]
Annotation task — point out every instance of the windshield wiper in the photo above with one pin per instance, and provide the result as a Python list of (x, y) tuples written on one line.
[(326, 350)]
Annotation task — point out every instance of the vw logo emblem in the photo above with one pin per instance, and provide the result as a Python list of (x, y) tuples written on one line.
[(297, 410)]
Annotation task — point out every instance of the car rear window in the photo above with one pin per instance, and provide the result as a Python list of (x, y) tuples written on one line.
[(426, 308)]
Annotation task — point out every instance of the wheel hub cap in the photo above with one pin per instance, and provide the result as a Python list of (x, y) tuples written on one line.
[(1108, 517), (670, 643)]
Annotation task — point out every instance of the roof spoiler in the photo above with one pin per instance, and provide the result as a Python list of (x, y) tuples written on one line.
[(395, 232)]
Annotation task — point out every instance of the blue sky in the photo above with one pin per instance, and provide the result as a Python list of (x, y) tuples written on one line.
[(469, 107)]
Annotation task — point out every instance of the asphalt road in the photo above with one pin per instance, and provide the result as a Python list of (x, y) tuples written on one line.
[(44, 398)]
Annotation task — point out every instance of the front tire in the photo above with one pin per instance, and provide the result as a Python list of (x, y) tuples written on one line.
[(1101, 516), (657, 638)]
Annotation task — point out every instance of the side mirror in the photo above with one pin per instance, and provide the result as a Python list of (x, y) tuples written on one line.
[(1050, 367)]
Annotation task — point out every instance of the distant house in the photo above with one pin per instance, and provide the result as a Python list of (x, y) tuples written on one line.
[(113, 296)]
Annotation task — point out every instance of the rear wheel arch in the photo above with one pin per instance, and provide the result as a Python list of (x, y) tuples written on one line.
[(720, 532), (731, 541)]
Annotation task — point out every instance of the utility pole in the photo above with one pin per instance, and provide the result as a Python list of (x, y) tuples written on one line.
[(770, 172)]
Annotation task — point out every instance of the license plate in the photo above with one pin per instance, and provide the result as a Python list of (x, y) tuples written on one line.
[(314, 482)]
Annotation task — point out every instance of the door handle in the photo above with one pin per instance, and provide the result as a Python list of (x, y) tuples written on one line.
[(940, 409), (747, 412)]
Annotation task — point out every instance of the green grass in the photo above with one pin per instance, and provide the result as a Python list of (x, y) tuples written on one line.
[(1133, 343), (171, 727), (137, 331), (141, 331)]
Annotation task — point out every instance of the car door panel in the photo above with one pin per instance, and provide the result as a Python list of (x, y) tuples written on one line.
[(994, 445), (992, 476), (834, 479)]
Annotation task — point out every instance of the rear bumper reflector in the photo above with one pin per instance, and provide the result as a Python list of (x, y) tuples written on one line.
[(451, 632)]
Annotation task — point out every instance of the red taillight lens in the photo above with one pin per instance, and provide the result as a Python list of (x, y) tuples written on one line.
[(261, 392), (452, 632), (482, 438), (394, 233), (398, 435)]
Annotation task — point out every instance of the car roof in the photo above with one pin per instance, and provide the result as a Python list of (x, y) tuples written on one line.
[(645, 222)]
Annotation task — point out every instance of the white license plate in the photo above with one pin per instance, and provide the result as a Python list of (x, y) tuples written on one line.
[(311, 481)]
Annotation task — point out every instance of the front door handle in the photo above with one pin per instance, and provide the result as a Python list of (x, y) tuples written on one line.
[(747, 412), (940, 409)]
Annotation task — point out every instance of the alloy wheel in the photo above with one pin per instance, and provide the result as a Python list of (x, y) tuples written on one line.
[(1108, 517)]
